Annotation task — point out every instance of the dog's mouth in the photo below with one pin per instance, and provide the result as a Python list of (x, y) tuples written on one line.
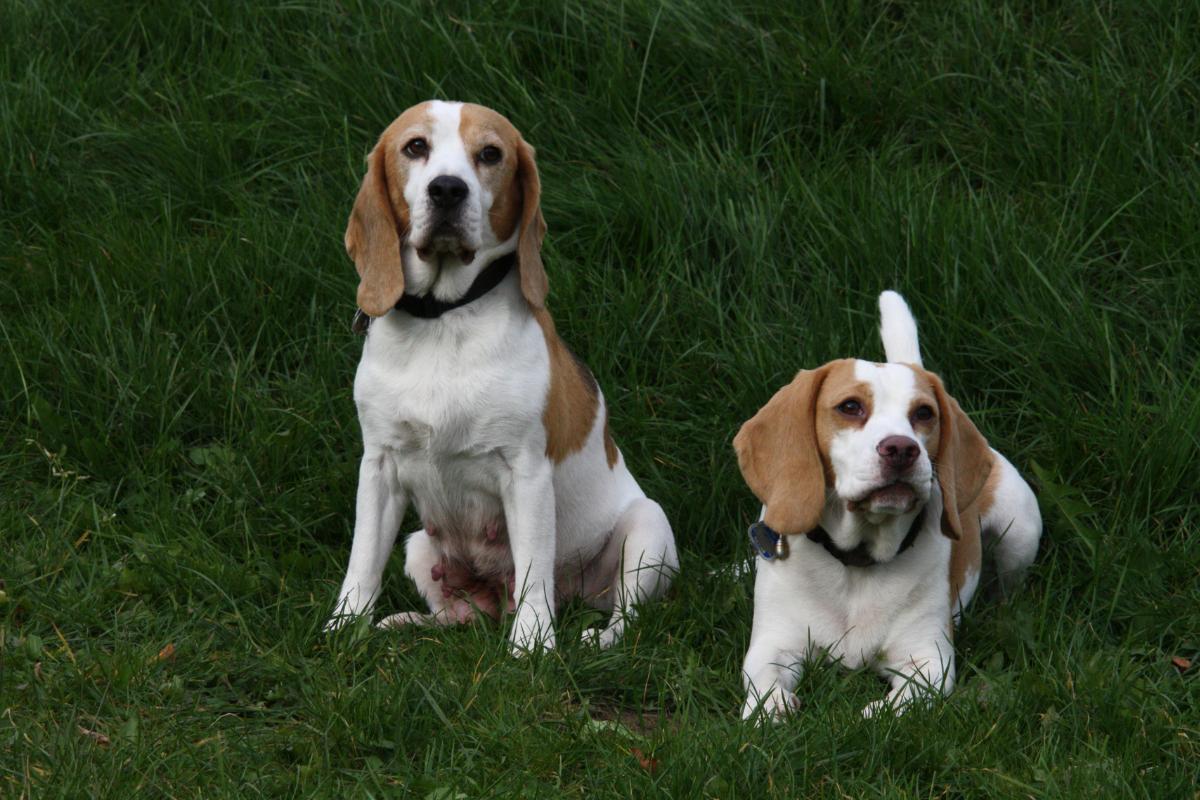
[(446, 239), (894, 498)]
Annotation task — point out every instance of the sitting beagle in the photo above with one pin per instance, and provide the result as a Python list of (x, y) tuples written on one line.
[(876, 488), (472, 408)]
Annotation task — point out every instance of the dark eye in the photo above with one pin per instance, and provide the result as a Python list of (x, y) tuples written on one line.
[(851, 408), (416, 148), (490, 155), (923, 414)]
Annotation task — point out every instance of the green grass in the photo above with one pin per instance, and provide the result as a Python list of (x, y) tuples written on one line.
[(727, 186)]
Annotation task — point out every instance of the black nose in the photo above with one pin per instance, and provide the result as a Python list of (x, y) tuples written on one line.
[(899, 452), (447, 191)]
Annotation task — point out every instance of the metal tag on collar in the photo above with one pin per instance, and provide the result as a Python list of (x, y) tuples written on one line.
[(767, 543)]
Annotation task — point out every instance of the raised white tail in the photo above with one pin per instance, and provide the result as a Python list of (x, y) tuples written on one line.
[(898, 330)]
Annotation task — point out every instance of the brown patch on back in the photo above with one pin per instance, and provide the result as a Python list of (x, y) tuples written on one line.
[(610, 447), (572, 399)]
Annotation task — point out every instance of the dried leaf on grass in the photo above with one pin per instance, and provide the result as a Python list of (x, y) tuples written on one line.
[(648, 763), (96, 736)]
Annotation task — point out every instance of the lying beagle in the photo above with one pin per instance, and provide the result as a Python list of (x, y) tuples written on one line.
[(876, 488), (472, 408)]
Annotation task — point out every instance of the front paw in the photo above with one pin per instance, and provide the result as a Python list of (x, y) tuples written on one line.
[(877, 707), (601, 638), (354, 600), (777, 704), (897, 702), (531, 632)]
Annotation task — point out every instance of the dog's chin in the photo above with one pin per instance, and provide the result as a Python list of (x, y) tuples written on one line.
[(895, 498), (443, 246)]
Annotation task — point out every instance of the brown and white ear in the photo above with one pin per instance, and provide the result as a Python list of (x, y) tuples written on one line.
[(963, 464), (780, 459), (533, 229), (374, 236)]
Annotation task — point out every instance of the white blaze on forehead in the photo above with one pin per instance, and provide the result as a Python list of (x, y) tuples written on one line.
[(447, 157), (447, 154), (853, 452), (893, 388)]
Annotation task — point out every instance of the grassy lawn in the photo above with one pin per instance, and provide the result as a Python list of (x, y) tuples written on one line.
[(727, 188)]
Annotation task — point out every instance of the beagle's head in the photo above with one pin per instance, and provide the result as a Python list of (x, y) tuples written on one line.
[(449, 188), (872, 437)]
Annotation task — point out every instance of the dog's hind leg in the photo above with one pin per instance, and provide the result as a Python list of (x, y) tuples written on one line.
[(646, 564), (448, 587), (1012, 527)]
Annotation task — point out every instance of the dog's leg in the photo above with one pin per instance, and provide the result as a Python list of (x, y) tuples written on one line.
[(450, 591), (1012, 527), (1015, 545), (769, 674), (923, 674), (528, 498), (645, 567), (379, 507), (421, 559)]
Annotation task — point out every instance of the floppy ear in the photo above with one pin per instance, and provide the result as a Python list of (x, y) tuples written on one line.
[(779, 456), (374, 236), (533, 229), (963, 464)]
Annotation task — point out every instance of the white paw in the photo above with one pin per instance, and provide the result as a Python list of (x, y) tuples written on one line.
[(774, 707), (395, 621), (876, 707), (895, 703), (603, 638), (339, 621), (354, 600), (530, 633)]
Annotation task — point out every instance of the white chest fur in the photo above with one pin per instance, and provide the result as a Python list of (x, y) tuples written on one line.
[(855, 615), (448, 400)]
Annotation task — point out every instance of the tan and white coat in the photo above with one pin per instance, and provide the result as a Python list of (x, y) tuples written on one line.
[(814, 455), (482, 419)]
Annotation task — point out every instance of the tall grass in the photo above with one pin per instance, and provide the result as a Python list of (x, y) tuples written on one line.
[(727, 186)]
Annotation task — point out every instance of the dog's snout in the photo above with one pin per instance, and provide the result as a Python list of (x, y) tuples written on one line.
[(447, 192), (898, 452)]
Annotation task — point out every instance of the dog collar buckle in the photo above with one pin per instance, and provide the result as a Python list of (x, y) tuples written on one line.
[(768, 544)]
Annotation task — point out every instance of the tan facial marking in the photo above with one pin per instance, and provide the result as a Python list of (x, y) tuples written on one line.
[(480, 127), (516, 192), (841, 384), (571, 401), (379, 221), (782, 449), (926, 395)]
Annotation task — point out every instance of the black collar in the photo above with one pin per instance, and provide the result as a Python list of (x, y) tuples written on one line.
[(429, 307), (771, 545)]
